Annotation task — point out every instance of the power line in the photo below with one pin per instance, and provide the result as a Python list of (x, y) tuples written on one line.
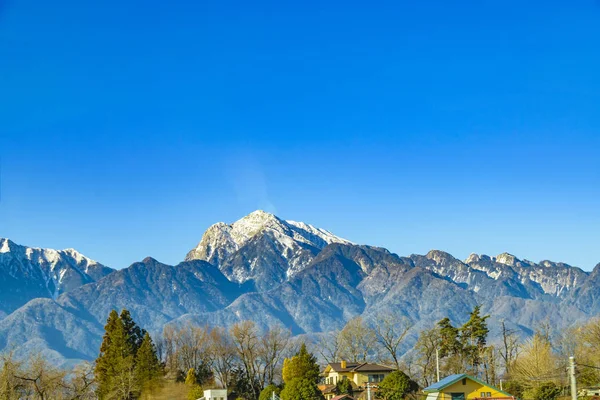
[(587, 366)]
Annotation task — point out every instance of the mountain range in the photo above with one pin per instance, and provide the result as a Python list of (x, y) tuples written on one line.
[(272, 271)]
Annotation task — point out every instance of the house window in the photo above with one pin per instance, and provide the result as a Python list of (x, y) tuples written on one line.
[(489, 394), (376, 378), (464, 381)]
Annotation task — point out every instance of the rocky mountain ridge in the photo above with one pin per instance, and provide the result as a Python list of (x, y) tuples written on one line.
[(277, 272), (27, 273)]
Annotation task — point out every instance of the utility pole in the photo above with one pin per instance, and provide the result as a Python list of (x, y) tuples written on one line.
[(437, 363), (572, 375)]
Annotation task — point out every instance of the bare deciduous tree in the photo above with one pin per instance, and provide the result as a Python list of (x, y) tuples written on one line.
[(510, 347), (246, 342), (329, 345), (357, 341), (537, 363), (10, 386), (426, 347), (43, 380), (390, 331), (185, 348), (272, 347), (223, 354)]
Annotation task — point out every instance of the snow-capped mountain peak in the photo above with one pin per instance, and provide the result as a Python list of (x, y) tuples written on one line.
[(292, 243), (45, 272)]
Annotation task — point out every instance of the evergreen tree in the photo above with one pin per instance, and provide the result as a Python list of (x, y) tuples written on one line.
[(344, 387), (195, 390), (104, 363), (473, 338), (449, 338), (301, 389), (122, 382), (190, 378), (302, 365), (135, 334), (116, 374), (147, 366)]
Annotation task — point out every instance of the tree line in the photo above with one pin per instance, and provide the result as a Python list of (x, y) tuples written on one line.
[(253, 364)]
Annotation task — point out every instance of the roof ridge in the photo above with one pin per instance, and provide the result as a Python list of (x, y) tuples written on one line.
[(358, 366)]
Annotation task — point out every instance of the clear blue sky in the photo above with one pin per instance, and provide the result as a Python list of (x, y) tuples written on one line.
[(128, 127)]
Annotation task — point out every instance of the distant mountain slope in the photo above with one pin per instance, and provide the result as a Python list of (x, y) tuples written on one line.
[(44, 327), (27, 273), (155, 293), (272, 271)]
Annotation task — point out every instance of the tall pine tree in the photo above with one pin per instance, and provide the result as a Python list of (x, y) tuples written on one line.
[(135, 334), (449, 338), (104, 368), (473, 338), (127, 361), (147, 365)]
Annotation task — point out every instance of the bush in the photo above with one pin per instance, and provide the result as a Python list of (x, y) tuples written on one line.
[(396, 386), (195, 392), (267, 393), (514, 388), (301, 389), (344, 387), (547, 391)]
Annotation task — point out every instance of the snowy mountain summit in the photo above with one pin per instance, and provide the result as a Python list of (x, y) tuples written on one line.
[(29, 272), (284, 248)]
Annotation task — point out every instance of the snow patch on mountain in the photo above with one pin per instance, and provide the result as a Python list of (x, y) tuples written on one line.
[(4, 246)]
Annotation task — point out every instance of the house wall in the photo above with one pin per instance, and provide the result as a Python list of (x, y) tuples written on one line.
[(335, 377), (362, 378), (471, 390), (215, 394)]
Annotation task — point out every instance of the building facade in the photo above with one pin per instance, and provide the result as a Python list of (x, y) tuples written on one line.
[(464, 387)]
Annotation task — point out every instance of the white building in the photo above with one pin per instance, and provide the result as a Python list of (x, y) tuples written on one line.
[(214, 394)]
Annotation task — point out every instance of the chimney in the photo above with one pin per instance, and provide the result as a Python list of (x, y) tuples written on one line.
[(344, 364)]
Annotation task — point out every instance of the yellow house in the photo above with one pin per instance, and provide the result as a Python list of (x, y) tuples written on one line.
[(358, 373), (464, 387)]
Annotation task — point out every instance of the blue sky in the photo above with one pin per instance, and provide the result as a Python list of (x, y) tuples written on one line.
[(128, 127)]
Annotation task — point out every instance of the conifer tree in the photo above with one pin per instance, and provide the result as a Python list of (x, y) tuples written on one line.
[(303, 365), (147, 366), (123, 385), (449, 338), (195, 390), (135, 334), (344, 386), (473, 338), (115, 366), (104, 363), (190, 378)]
